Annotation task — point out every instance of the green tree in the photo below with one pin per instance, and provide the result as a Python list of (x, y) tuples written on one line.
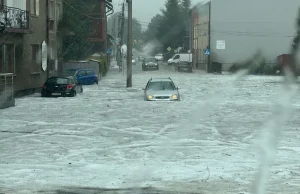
[(75, 27), (113, 27), (152, 29), (170, 27), (296, 40), (185, 9)]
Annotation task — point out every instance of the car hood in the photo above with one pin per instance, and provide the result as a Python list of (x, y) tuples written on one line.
[(161, 92), (150, 63)]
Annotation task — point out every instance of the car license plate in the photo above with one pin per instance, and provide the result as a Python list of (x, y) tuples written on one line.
[(56, 94)]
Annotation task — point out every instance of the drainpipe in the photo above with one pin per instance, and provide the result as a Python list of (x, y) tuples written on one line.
[(209, 68), (47, 35)]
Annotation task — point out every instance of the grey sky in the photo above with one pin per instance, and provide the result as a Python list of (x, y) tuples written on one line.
[(144, 10)]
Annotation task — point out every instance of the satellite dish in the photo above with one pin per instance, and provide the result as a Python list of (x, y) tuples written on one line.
[(44, 56), (124, 49)]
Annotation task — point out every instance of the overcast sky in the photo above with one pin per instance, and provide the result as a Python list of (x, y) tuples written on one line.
[(144, 10)]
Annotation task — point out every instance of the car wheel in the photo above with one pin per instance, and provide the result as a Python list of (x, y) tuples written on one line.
[(96, 82), (46, 94), (73, 93), (80, 90)]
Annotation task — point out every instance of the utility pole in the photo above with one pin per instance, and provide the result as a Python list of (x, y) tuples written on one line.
[(113, 31), (129, 45), (120, 35)]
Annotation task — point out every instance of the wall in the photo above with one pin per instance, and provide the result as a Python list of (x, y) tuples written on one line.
[(21, 4), (249, 25), (31, 75)]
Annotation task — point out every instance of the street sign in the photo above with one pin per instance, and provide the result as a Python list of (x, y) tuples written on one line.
[(207, 52), (220, 44), (108, 51), (169, 49), (44, 56)]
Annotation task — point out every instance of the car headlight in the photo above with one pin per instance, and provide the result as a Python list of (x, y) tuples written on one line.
[(155, 63), (150, 97), (174, 96), (146, 64)]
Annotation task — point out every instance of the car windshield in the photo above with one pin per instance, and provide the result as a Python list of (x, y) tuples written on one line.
[(70, 72), (161, 85), (184, 63), (150, 60), (57, 80)]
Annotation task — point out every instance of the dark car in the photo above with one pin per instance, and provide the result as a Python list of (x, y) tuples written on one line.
[(61, 86), (150, 64), (184, 66), (83, 76), (141, 58)]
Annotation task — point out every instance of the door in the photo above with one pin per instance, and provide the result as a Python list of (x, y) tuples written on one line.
[(81, 78), (176, 59), (90, 77)]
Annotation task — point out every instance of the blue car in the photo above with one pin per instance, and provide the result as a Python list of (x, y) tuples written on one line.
[(83, 76)]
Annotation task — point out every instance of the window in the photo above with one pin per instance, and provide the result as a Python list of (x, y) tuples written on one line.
[(150, 60), (162, 85), (52, 49), (7, 58), (58, 80), (36, 58), (58, 11), (177, 57), (51, 10), (81, 73), (89, 72), (1, 4), (34, 7), (51, 25)]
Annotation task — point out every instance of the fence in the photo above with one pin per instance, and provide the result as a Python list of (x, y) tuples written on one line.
[(7, 98)]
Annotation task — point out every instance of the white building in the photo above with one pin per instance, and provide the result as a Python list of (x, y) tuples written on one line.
[(239, 28)]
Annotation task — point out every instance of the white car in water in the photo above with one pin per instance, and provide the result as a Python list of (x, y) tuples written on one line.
[(161, 89), (159, 57)]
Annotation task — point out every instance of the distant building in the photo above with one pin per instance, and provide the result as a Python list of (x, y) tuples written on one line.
[(98, 19), (235, 29), (25, 24)]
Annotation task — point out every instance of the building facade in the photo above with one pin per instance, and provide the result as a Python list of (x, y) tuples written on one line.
[(98, 19), (26, 28), (239, 28), (200, 34)]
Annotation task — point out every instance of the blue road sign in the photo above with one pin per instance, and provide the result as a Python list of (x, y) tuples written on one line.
[(109, 51), (207, 52)]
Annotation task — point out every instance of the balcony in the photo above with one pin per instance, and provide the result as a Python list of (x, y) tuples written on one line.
[(14, 19)]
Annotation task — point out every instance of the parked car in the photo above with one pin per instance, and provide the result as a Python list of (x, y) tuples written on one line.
[(150, 64), (180, 57), (134, 61), (159, 57), (184, 66), (83, 76), (141, 58), (161, 89), (61, 86)]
